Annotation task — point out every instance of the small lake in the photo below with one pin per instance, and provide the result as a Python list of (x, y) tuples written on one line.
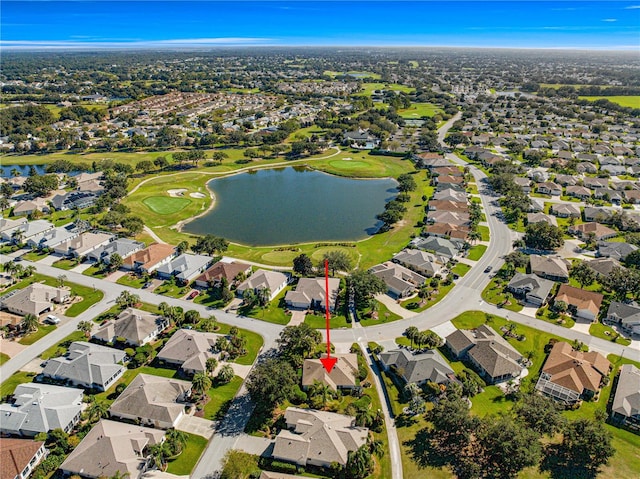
[(25, 169), (293, 205)]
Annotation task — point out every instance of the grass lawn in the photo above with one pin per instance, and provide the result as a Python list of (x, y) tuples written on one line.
[(220, 398), (494, 294), (3, 358), (166, 205), (317, 321), (600, 330), (631, 101), (95, 271), (131, 280), (460, 269), (254, 343), (273, 313), (419, 110), (34, 255), (370, 87), (169, 288), (11, 383), (61, 348), (549, 316), (476, 252), (384, 316), (433, 299), (43, 330), (66, 264), (362, 164), (186, 461), (484, 231), (358, 74)]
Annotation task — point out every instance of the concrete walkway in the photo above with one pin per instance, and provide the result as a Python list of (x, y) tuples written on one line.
[(297, 317), (394, 307), (196, 425)]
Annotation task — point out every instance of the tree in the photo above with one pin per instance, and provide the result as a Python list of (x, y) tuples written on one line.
[(182, 247), (210, 244), (177, 440), (302, 265), (411, 333), (338, 261), (633, 260), (41, 185), (115, 262), (211, 364), (60, 280), (365, 285), (191, 317), (406, 183), (455, 425), (456, 138), (97, 410), (209, 324), (272, 381), (583, 274), (200, 383), (85, 327), (297, 342), (219, 156), (159, 453), (127, 299), (540, 414), (586, 444), (29, 323), (359, 463), (319, 394), (144, 166), (225, 375), (543, 236), (622, 281), (517, 259)]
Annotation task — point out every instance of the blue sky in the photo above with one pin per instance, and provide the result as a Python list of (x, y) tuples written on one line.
[(134, 24)]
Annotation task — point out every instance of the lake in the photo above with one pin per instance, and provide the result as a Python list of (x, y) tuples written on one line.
[(24, 170), (293, 205)]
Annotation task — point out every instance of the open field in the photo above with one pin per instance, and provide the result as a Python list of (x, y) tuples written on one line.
[(418, 110), (370, 87), (164, 205), (358, 74), (361, 164), (632, 101)]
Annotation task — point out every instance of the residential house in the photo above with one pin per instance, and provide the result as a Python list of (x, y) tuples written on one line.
[(361, 139), (150, 258), (135, 326), (583, 304), (152, 401), (615, 250), (595, 230), (449, 194), (80, 246), (554, 268), (87, 365), (632, 196), (523, 183), (449, 217), (569, 375), (344, 374), (51, 238), (448, 205), (549, 188), (400, 281), (229, 271), (579, 192), (593, 183), (565, 210), (310, 294), (566, 180), (448, 180), (531, 288), (73, 200), (185, 267), (262, 279), (11, 224), (19, 457), (586, 167), (604, 266), (492, 356), (533, 218), (439, 246), (536, 205), (40, 408), (427, 264), (189, 350), (419, 367), (27, 207), (37, 298), (626, 401), (121, 246), (624, 315), (318, 438), (607, 194), (601, 215), (112, 447), (447, 230)]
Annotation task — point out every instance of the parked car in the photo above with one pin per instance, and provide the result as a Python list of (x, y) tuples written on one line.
[(193, 294), (51, 319), (146, 285), (488, 269)]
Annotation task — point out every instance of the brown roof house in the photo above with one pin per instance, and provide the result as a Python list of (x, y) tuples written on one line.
[(400, 281), (554, 268), (152, 401), (112, 447), (583, 304), (342, 376), (310, 293), (19, 457), (136, 326), (626, 402), (150, 258), (569, 375), (189, 350), (599, 232), (34, 299), (220, 270), (318, 438), (493, 357)]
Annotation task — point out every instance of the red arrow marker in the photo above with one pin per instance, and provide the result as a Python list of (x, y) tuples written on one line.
[(327, 362)]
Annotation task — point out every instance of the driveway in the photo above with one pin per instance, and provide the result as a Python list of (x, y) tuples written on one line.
[(297, 317), (49, 260), (11, 348), (445, 329), (81, 268), (115, 276), (196, 425), (394, 307), (258, 446)]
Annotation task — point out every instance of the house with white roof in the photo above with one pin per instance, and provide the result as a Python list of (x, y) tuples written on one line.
[(185, 267)]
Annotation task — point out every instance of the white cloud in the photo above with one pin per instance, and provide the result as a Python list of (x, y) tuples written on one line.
[(609, 19), (632, 7)]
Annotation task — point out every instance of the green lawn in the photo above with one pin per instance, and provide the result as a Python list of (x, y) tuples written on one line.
[(564, 320), (384, 316), (433, 299), (34, 255), (254, 343), (186, 461), (60, 348), (476, 252), (95, 271), (484, 231), (220, 398), (460, 269), (66, 264), (11, 383), (171, 289), (419, 110), (600, 330), (166, 205), (273, 313), (370, 87), (43, 330), (3, 358), (494, 294), (317, 321), (132, 280), (631, 101)]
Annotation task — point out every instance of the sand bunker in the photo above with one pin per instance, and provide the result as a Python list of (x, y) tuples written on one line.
[(197, 195), (177, 193), (347, 159)]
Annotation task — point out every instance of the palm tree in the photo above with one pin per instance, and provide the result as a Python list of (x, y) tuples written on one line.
[(159, 453), (85, 327), (177, 440), (163, 308), (15, 172), (97, 410), (28, 271), (411, 332), (60, 280), (375, 447), (200, 383), (211, 364), (29, 323), (321, 390), (17, 236)]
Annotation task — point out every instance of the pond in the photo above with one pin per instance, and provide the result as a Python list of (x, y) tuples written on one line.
[(6, 171), (293, 205)]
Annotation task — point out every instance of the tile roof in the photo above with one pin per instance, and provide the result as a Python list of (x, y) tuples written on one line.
[(580, 298), (343, 373), (15, 455), (575, 370), (189, 348)]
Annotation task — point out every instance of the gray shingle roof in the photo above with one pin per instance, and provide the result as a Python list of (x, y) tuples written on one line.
[(428, 366), (627, 398)]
